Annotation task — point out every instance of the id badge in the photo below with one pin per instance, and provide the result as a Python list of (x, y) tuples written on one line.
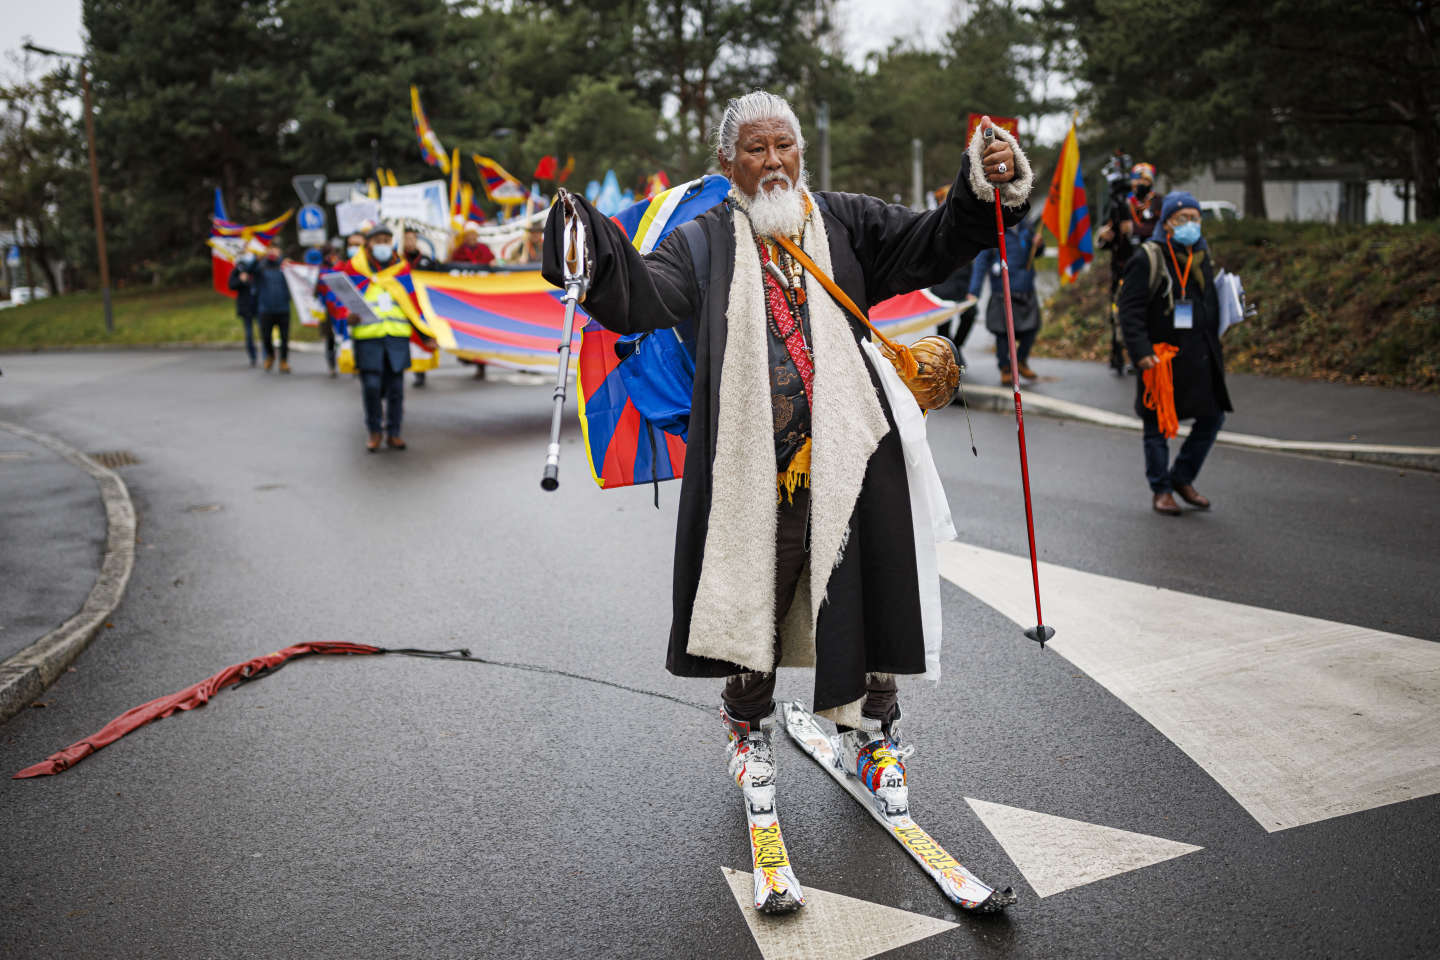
[(1184, 315)]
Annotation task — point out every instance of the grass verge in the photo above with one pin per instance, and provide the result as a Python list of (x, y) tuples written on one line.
[(1336, 303), (142, 318)]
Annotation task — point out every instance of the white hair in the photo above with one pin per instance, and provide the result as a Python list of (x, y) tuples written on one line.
[(755, 107)]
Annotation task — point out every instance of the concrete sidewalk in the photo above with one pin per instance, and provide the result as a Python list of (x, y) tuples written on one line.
[(1375, 424), (69, 533)]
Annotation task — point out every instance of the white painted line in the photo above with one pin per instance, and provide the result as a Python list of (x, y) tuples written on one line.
[(830, 926), (1299, 719), (1056, 853)]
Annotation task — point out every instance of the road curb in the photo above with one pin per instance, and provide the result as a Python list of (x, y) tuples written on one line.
[(1001, 400), (25, 675)]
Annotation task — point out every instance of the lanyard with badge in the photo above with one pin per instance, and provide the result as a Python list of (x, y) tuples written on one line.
[(1184, 307)]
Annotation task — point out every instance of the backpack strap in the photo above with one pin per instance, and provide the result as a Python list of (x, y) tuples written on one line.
[(699, 245), (1158, 271)]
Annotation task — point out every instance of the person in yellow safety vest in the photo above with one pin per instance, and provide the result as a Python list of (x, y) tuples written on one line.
[(382, 346)]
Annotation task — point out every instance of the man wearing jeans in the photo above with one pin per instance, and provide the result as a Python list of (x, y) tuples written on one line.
[(1168, 296)]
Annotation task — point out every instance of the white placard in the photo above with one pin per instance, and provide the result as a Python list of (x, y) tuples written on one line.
[(352, 213), (300, 280), (426, 203)]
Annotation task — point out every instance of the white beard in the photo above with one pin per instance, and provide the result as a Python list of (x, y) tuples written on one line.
[(777, 212)]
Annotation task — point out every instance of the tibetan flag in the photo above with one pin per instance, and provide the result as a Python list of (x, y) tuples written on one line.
[(229, 239), (545, 169), (657, 184), (510, 319), (430, 146), (623, 447), (568, 169), (1067, 214), (499, 186)]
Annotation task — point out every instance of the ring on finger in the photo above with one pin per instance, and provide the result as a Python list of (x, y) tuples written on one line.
[(1001, 168)]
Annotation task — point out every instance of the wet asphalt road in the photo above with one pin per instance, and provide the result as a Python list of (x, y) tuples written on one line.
[(394, 807)]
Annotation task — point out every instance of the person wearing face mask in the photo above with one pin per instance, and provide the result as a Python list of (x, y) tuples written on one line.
[(1170, 315), (1129, 222), (272, 300), (242, 281), (382, 338)]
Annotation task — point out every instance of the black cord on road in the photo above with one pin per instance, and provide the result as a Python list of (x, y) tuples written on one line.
[(464, 655)]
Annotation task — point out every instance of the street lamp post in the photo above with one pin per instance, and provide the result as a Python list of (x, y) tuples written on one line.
[(94, 177)]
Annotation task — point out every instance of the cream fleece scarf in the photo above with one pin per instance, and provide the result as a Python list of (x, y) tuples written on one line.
[(733, 617)]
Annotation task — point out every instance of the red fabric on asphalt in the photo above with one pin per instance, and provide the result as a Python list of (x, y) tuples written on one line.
[(187, 699)]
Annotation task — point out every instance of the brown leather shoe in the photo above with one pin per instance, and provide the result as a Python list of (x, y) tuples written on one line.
[(1005, 379), (1192, 496), (396, 442), (285, 366), (1027, 373), (372, 443), (1165, 503), (269, 362)]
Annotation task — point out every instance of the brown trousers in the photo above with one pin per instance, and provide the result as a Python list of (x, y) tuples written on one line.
[(751, 696)]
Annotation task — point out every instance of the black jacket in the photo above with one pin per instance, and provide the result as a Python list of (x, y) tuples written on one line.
[(1199, 367), (244, 290), (871, 619)]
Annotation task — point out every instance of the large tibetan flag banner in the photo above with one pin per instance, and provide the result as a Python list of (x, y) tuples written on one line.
[(499, 186), (430, 146), (1067, 214), (511, 319), (229, 239)]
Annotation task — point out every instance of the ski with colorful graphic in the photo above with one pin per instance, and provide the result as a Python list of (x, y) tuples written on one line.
[(776, 889), (958, 884)]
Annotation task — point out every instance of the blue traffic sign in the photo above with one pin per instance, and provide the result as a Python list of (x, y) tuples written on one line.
[(312, 217), (13, 257)]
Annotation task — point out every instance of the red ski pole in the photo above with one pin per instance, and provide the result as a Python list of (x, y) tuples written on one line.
[(1039, 632)]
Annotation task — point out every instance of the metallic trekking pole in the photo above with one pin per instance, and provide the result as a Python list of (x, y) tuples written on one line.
[(577, 281), (1039, 632)]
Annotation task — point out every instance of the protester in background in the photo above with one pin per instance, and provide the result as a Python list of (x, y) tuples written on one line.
[(1023, 243), (1169, 298), (334, 256), (415, 255), (956, 288), (272, 300), (418, 259), (382, 338), (242, 281), (471, 250)]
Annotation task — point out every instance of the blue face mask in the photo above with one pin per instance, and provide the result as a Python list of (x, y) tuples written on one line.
[(383, 252), (1187, 234), (351, 251)]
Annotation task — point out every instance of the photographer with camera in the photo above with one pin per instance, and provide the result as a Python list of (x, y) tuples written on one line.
[(1131, 215)]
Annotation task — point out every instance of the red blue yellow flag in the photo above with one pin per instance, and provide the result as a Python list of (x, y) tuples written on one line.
[(430, 146), (1067, 214), (499, 186)]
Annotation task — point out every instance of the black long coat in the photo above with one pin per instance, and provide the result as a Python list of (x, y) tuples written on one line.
[(871, 620), (1199, 367)]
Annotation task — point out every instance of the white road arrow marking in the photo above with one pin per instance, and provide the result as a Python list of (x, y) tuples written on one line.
[(1299, 719), (1056, 853), (830, 926)]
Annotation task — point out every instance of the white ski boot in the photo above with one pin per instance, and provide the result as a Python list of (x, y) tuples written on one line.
[(876, 759), (752, 758), (752, 767)]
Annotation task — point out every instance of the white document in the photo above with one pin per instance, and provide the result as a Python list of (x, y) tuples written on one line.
[(1232, 299), (345, 292), (350, 214)]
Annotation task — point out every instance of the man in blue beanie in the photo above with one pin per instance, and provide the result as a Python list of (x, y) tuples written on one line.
[(1168, 296)]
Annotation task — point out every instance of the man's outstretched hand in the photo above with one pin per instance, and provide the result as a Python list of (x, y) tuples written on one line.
[(997, 155)]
